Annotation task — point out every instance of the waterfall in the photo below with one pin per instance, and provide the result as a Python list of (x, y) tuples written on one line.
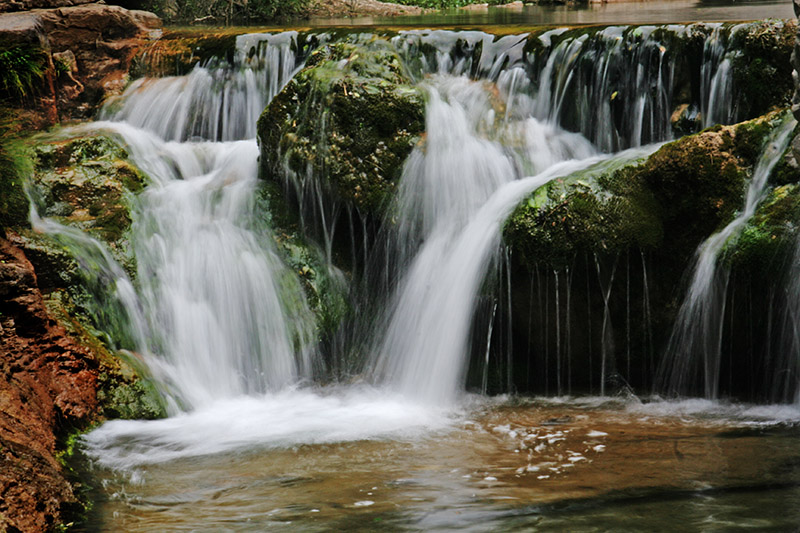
[(444, 186), (695, 347), (210, 286), (221, 316), (223, 323), (217, 101), (616, 86)]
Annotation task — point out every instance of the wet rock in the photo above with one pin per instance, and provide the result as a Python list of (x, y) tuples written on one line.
[(762, 71), (102, 39), (770, 236), (796, 65), (672, 201), (347, 122), (685, 120), (48, 384), (87, 182)]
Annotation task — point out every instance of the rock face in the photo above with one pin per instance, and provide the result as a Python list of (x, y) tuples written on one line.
[(673, 200), (86, 182), (27, 5), (92, 47), (48, 384), (614, 248), (347, 121), (56, 376)]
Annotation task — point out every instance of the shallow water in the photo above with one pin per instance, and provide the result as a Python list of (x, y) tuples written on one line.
[(538, 465), (642, 12)]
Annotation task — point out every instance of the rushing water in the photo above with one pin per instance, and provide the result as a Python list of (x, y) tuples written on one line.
[(253, 444)]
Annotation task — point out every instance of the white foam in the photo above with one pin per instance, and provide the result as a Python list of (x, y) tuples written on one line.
[(279, 420)]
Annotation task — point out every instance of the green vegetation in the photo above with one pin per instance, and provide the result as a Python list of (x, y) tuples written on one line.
[(770, 234), (325, 293), (763, 71), (22, 69), (14, 167), (671, 202), (124, 387), (449, 4), (212, 11)]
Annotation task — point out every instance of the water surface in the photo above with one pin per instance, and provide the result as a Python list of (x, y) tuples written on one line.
[(539, 465), (642, 12)]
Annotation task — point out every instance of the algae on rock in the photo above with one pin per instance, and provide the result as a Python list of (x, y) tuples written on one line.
[(348, 120), (672, 201)]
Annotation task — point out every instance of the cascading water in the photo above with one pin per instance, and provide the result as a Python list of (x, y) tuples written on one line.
[(616, 86), (218, 331), (695, 348), (444, 186), (223, 324), (216, 101)]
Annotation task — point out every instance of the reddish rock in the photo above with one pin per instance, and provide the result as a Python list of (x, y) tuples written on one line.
[(48, 385), (102, 39)]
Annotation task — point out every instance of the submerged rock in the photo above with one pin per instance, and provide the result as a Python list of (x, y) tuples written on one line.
[(347, 121)]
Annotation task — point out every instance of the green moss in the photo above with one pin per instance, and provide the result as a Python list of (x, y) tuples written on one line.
[(762, 71), (770, 235), (125, 389), (14, 167), (325, 291), (349, 119), (88, 183), (670, 203), (602, 210)]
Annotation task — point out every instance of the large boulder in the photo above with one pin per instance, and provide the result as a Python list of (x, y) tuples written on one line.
[(671, 201), (347, 121), (605, 254), (89, 50)]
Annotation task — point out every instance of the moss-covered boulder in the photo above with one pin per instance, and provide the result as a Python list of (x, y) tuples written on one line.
[(762, 71), (770, 235), (673, 200), (602, 209), (324, 286), (88, 182), (348, 120)]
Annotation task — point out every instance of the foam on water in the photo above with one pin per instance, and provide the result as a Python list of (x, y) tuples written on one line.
[(283, 419)]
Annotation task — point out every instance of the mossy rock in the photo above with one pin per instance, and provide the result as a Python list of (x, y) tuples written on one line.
[(762, 71), (348, 119), (602, 210), (125, 389), (770, 235), (324, 287), (671, 202), (88, 182), (14, 166)]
